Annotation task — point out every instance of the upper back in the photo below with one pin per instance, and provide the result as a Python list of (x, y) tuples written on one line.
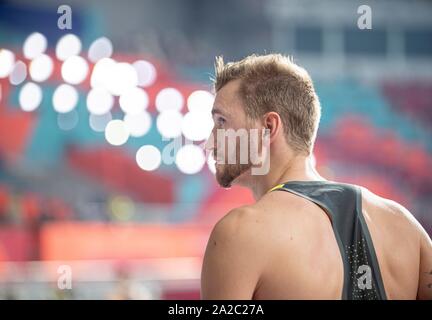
[(308, 239), (396, 237)]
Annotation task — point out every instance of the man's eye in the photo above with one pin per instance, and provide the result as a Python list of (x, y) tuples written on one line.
[(220, 121)]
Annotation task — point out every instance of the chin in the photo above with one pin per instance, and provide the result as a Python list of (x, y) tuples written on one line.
[(220, 177), (240, 180)]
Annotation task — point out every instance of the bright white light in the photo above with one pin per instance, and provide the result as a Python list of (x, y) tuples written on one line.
[(134, 100), (148, 158), (7, 62), (211, 163), (30, 96), (138, 124), (35, 44), (74, 70), (68, 45), (99, 101), (197, 125), (123, 77), (146, 73), (67, 121), (169, 99), (117, 78), (169, 123), (65, 98), (100, 48), (200, 100), (116, 132), (18, 74), (190, 159), (102, 72), (41, 68)]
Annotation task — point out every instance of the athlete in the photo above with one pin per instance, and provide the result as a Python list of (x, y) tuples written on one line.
[(305, 237)]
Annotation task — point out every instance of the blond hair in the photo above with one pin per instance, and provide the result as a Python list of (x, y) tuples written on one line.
[(274, 82)]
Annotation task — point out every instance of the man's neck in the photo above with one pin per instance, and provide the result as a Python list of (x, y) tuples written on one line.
[(299, 168)]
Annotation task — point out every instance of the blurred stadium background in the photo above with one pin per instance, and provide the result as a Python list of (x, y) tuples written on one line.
[(84, 178)]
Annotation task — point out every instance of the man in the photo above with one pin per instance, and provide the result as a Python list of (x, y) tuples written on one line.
[(305, 237)]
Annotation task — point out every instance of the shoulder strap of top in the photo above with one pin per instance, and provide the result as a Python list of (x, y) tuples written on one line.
[(342, 203)]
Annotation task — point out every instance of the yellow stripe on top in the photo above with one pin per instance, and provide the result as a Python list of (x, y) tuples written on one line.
[(276, 187)]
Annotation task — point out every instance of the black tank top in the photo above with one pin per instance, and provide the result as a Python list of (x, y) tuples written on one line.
[(342, 203)]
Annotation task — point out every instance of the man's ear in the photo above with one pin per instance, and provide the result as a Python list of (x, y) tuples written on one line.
[(272, 125)]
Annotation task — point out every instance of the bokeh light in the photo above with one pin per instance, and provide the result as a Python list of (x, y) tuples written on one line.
[(67, 46), (30, 96), (74, 70), (200, 100), (99, 101), (102, 73), (146, 73), (197, 125), (123, 77), (116, 77), (65, 98), (169, 99), (148, 158), (35, 44), (98, 123), (169, 123), (7, 62), (18, 74), (116, 132), (122, 208), (138, 124), (41, 68), (99, 49), (134, 100), (67, 121), (190, 159)]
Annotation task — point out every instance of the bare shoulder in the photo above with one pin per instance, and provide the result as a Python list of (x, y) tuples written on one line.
[(256, 220), (390, 210), (233, 260), (239, 224), (244, 230)]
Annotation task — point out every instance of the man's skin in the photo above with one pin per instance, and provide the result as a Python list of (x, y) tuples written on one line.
[(283, 246)]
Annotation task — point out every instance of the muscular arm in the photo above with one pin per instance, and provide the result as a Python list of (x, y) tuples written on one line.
[(424, 287), (424, 291), (232, 263), (425, 280)]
